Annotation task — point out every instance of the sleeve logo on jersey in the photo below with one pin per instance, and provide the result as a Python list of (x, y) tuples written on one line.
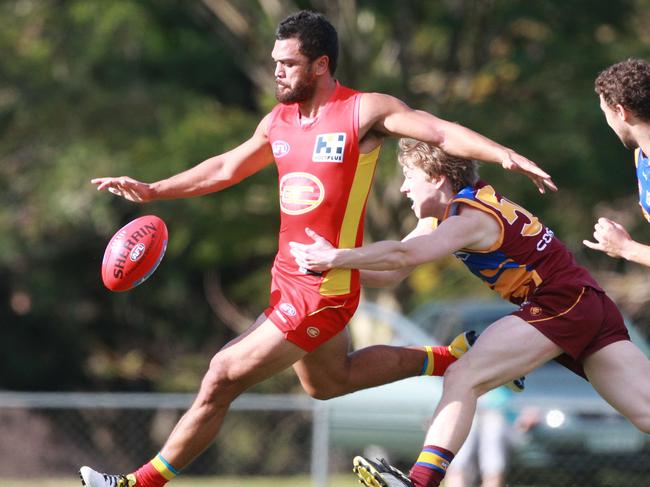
[(329, 147), (287, 309), (300, 192), (280, 148)]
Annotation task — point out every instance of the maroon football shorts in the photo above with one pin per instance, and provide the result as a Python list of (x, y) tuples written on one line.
[(306, 317), (579, 320)]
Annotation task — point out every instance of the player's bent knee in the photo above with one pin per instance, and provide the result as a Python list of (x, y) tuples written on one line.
[(638, 413), (461, 376), (458, 374), (322, 390), (219, 384)]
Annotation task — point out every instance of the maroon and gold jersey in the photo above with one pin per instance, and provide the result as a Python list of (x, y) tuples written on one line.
[(323, 182), (526, 256)]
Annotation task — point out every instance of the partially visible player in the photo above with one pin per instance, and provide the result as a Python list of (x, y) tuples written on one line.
[(564, 314), (624, 92), (325, 140)]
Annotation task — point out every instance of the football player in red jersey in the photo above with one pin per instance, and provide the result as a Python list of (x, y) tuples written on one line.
[(563, 313), (624, 92), (325, 140)]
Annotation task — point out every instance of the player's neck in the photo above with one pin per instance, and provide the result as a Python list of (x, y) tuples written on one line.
[(440, 208), (445, 195), (643, 140), (435, 206), (310, 109)]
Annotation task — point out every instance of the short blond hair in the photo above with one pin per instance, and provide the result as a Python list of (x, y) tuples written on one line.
[(435, 163)]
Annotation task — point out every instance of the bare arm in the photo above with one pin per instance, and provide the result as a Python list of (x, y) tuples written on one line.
[(391, 116), (391, 278), (612, 238), (213, 174), (472, 228)]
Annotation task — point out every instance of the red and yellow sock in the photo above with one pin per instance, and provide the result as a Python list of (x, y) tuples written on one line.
[(431, 466), (156, 473), (437, 361)]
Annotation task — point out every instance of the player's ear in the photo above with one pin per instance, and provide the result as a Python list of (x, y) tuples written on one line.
[(622, 112), (321, 65), (438, 181)]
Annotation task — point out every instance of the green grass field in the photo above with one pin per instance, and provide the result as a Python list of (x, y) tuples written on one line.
[(338, 480), (298, 481)]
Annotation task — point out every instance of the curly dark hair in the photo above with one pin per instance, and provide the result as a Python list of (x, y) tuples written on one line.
[(627, 83), (316, 34), (435, 162)]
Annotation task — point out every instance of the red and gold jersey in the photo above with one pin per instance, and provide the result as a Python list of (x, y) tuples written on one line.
[(323, 182), (526, 256)]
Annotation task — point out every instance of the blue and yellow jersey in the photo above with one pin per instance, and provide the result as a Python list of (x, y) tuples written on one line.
[(642, 163), (527, 254)]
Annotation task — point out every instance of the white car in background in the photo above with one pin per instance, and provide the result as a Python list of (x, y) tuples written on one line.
[(577, 431)]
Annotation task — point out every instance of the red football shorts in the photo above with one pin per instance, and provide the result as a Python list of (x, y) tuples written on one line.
[(579, 320), (307, 318)]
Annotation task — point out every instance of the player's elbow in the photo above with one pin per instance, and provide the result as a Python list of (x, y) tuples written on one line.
[(397, 260), (435, 134), (406, 258)]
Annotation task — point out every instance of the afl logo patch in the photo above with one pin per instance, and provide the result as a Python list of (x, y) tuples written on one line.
[(287, 309), (535, 310), (137, 252), (313, 332), (300, 192), (280, 148)]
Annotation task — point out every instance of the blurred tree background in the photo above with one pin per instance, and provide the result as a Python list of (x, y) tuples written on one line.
[(148, 88)]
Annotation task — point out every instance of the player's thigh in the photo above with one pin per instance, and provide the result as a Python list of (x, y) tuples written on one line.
[(260, 319), (620, 373), (508, 348), (260, 353), (328, 360)]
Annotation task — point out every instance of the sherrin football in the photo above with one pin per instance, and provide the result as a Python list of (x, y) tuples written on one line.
[(134, 252)]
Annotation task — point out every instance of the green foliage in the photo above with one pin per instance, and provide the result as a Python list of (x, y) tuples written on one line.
[(102, 88)]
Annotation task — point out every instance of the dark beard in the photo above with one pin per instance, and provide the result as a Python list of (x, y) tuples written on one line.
[(299, 94)]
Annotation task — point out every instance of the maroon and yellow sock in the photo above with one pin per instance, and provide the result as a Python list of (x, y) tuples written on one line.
[(437, 361), (156, 473), (430, 467)]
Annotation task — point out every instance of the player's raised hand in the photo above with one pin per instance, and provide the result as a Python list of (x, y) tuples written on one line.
[(513, 161), (610, 237), (316, 256), (125, 187)]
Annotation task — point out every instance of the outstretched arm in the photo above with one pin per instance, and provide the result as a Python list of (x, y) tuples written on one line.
[(213, 174), (471, 229), (391, 278), (393, 117), (612, 238)]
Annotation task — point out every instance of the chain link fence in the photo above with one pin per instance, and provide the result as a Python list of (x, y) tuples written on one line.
[(50, 435)]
